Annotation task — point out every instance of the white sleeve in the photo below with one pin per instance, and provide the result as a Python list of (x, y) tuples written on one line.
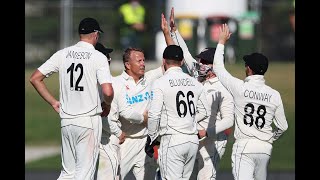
[(228, 81), (203, 108), (113, 118), (51, 65), (154, 74), (280, 122), (103, 71), (126, 111), (226, 113), (188, 59), (154, 112)]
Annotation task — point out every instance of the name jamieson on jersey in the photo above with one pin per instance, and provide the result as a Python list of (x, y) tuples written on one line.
[(257, 95), (78, 55), (180, 82)]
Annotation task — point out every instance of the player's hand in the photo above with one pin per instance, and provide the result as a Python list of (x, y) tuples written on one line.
[(56, 106), (164, 24), (202, 133), (224, 34), (172, 24), (149, 146), (105, 109), (145, 118), (227, 131), (122, 137)]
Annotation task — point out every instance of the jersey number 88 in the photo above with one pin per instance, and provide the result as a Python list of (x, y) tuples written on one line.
[(248, 119)]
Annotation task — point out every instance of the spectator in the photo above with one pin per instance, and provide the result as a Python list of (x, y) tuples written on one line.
[(132, 25), (292, 17)]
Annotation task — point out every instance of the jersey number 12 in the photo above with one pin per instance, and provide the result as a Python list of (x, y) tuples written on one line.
[(71, 69)]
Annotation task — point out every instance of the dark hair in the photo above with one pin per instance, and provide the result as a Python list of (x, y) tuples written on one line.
[(127, 53)]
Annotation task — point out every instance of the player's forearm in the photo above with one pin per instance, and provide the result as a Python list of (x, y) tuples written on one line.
[(108, 93), (203, 108), (154, 116), (154, 73), (168, 39), (153, 126), (219, 56), (226, 114), (224, 124), (38, 83), (280, 123), (132, 116), (114, 127), (154, 113), (280, 120)]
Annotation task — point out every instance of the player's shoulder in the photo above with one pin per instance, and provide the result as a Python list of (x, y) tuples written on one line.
[(99, 55), (117, 81)]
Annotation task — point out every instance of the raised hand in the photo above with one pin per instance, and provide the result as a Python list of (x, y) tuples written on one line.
[(164, 24), (224, 34), (172, 24)]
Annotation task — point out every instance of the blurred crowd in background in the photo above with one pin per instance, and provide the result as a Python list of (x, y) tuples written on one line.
[(267, 26)]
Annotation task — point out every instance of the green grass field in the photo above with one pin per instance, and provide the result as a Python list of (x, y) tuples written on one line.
[(42, 124)]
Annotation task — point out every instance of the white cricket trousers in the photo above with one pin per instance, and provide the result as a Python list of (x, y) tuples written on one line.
[(208, 158), (248, 166), (80, 148), (108, 161), (177, 155), (133, 157)]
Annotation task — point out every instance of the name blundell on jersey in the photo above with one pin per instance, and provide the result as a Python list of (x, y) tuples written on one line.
[(78, 55), (257, 95), (181, 82)]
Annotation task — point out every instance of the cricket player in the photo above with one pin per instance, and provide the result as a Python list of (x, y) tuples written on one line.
[(81, 70), (108, 162), (257, 108), (212, 148), (177, 98), (138, 93)]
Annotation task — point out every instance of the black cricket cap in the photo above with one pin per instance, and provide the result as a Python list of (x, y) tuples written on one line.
[(89, 25), (207, 55), (103, 49), (173, 52), (257, 62)]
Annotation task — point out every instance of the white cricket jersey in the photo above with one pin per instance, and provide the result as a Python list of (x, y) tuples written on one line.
[(119, 108), (80, 68), (177, 97), (257, 106), (222, 108), (137, 95)]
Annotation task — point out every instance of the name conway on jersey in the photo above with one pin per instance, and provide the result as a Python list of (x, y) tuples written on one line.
[(257, 105)]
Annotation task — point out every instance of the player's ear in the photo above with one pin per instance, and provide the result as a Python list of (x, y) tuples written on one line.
[(127, 65)]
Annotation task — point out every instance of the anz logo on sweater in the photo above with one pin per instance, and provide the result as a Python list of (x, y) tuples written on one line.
[(139, 98)]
